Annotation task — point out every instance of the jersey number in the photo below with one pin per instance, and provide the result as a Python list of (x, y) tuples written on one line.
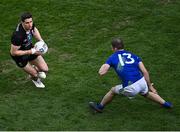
[(128, 59)]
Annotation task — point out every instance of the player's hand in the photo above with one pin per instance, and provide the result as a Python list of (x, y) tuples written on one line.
[(34, 51), (152, 89)]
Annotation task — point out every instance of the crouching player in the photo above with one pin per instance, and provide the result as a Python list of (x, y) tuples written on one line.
[(135, 78)]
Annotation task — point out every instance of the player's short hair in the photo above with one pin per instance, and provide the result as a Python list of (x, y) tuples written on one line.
[(117, 43), (25, 16)]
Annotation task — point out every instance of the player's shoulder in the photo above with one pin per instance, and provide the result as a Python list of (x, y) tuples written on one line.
[(132, 55), (129, 52), (19, 31), (16, 35)]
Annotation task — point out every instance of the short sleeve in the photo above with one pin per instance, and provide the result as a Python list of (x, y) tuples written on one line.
[(138, 59), (109, 61), (16, 39)]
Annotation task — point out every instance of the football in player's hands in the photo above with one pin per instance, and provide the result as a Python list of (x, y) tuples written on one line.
[(41, 46)]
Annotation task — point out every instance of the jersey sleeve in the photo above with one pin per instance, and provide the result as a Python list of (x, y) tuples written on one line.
[(16, 39), (109, 61), (138, 59)]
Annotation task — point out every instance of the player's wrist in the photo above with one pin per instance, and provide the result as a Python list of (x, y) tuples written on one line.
[(27, 52), (41, 40), (149, 84), (33, 50)]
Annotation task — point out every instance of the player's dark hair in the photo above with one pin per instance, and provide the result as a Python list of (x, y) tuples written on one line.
[(117, 43), (25, 16)]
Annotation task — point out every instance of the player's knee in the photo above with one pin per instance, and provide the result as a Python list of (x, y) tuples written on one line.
[(113, 90), (45, 69), (34, 73), (145, 95)]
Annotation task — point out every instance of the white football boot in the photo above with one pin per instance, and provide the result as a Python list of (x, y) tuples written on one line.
[(38, 83)]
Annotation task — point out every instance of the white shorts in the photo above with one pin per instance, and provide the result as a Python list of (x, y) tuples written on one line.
[(139, 86)]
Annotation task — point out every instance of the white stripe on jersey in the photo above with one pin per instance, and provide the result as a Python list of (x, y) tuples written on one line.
[(17, 28)]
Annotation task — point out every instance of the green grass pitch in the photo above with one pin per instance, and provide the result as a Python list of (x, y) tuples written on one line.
[(78, 33)]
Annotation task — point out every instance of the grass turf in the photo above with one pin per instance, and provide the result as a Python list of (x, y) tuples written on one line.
[(78, 34)]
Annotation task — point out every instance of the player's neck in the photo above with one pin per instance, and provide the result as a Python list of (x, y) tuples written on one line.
[(119, 49)]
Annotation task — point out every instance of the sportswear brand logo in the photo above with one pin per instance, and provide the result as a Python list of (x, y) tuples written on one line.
[(25, 41), (20, 64)]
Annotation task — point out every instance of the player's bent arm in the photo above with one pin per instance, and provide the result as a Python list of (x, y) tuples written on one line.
[(146, 76), (37, 35), (16, 52), (104, 69), (145, 73)]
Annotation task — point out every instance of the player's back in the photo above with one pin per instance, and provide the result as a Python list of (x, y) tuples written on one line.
[(126, 66)]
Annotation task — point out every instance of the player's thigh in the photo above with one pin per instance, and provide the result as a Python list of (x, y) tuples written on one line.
[(21, 61), (40, 63), (127, 91), (139, 86), (144, 86), (131, 91), (30, 70)]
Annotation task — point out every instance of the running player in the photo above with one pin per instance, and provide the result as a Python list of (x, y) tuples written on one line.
[(23, 53), (135, 78)]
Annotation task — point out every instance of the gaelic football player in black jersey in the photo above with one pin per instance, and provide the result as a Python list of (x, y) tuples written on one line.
[(23, 52)]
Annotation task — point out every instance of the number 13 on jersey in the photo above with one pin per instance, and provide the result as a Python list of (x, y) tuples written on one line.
[(125, 58)]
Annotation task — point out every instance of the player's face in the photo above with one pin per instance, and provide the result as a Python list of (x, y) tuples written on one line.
[(27, 24)]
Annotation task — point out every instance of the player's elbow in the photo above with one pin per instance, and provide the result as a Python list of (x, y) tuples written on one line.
[(101, 73), (103, 70), (13, 53), (145, 73)]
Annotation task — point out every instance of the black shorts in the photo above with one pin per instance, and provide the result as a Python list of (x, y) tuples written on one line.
[(22, 61)]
